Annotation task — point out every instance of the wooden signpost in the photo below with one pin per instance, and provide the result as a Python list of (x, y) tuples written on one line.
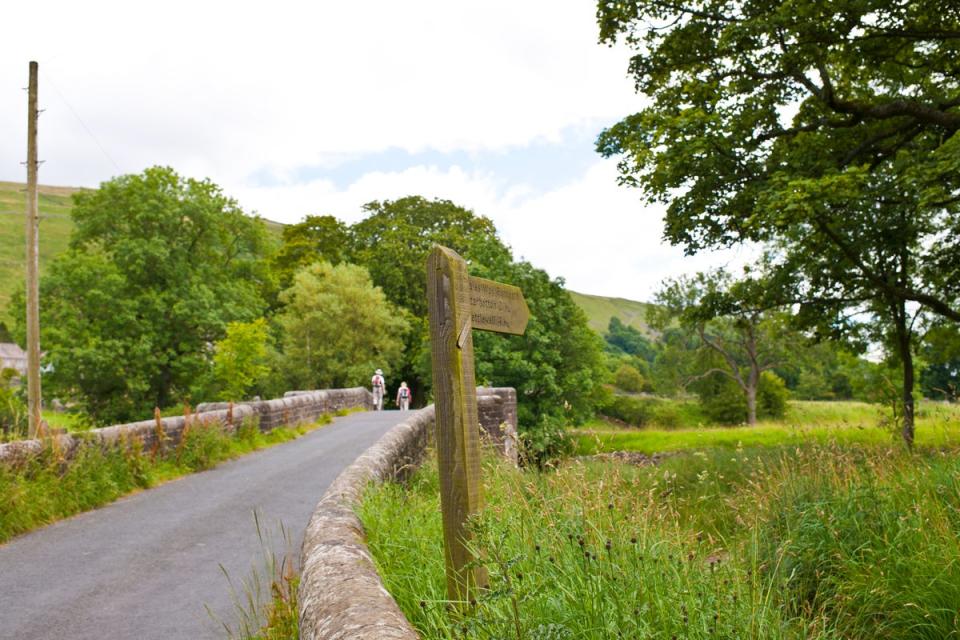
[(459, 303)]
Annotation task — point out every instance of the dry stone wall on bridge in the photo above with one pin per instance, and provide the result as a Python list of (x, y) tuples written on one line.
[(296, 407), (341, 594)]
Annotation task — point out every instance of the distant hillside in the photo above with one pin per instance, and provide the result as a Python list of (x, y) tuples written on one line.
[(55, 203), (600, 309)]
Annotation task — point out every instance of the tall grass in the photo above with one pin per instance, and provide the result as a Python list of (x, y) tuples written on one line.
[(265, 603), (811, 542)]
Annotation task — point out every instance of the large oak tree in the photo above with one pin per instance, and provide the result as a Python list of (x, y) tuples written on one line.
[(828, 129)]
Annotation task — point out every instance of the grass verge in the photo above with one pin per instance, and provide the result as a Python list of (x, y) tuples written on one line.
[(48, 488)]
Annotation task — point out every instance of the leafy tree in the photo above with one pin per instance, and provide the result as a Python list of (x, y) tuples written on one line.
[(627, 339), (158, 265), (338, 327), (735, 336), (315, 239), (392, 243), (828, 129), (723, 400), (557, 366), (940, 377), (627, 378), (240, 360)]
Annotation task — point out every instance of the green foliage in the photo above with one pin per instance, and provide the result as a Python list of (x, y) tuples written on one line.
[(240, 359), (158, 266), (393, 241), (314, 239), (628, 379), (557, 365), (735, 337), (13, 410), (723, 400), (626, 339), (338, 327), (772, 396), (940, 378), (826, 131)]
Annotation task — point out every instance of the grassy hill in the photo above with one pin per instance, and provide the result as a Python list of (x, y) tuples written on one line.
[(55, 227), (600, 309)]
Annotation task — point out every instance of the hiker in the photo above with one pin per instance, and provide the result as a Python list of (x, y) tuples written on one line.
[(403, 397), (378, 384)]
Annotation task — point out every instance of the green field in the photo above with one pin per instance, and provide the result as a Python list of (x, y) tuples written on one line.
[(55, 227), (600, 309), (806, 422)]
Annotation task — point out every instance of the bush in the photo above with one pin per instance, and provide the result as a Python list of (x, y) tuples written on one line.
[(772, 396), (724, 402), (627, 378), (658, 412), (636, 412), (546, 442)]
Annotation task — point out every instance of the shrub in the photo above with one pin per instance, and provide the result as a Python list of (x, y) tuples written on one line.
[(627, 378), (633, 411), (724, 402), (772, 396), (13, 411), (546, 442)]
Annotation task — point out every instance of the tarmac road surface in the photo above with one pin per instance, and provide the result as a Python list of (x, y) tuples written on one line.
[(149, 565)]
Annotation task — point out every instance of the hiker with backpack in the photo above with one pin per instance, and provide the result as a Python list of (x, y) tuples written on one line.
[(378, 384), (404, 395)]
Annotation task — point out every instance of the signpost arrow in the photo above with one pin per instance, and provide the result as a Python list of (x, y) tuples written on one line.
[(459, 303), (499, 307)]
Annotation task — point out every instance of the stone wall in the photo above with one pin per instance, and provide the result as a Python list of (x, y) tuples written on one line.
[(341, 593), (296, 407)]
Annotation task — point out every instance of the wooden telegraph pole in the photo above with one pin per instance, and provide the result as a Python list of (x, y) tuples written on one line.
[(459, 303), (33, 252)]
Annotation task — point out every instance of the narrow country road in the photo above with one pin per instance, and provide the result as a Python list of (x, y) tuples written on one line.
[(148, 566)]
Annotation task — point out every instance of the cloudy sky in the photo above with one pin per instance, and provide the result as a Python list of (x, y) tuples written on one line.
[(298, 108)]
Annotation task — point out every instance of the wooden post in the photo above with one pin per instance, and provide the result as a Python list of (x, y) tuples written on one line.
[(34, 407), (455, 398)]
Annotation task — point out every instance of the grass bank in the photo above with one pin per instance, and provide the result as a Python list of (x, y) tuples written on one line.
[(801, 542), (48, 488), (847, 423)]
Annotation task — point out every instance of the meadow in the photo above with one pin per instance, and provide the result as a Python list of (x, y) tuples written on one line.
[(820, 538), (851, 423)]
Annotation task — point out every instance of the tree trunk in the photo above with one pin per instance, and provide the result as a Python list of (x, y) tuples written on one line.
[(906, 358), (751, 391), (908, 409)]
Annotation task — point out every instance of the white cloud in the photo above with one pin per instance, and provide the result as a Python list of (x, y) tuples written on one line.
[(598, 236), (235, 90), (223, 89)]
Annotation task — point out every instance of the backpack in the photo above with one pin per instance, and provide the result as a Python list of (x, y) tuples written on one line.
[(377, 382), (404, 392)]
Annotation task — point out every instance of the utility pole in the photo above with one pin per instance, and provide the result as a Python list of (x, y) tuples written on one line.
[(33, 264)]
